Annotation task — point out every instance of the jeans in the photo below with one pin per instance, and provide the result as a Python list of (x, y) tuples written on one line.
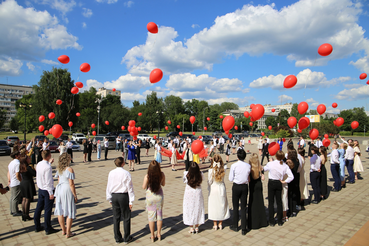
[(350, 169), (43, 202), (315, 183), (239, 192), (98, 153), (335, 170)]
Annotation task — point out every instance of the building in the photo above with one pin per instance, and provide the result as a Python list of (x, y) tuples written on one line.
[(268, 108), (9, 94), (103, 92), (261, 122)]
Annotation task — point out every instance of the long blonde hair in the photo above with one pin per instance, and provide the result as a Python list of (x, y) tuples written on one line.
[(218, 172), (255, 166), (64, 161)]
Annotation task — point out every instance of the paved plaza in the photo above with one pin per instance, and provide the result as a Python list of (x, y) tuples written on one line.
[(332, 222)]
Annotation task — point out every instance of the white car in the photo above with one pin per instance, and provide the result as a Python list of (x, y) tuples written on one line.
[(143, 137), (78, 137)]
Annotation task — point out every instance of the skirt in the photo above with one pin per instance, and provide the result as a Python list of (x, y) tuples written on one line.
[(260, 145), (158, 157), (173, 160), (154, 205), (358, 165)]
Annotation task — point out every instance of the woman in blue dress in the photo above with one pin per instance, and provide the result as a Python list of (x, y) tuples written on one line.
[(280, 142), (158, 152), (65, 195), (342, 152), (131, 155)]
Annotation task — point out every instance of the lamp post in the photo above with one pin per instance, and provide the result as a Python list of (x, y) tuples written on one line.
[(25, 106), (99, 100), (158, 113)]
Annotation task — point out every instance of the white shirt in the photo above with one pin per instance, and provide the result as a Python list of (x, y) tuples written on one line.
[(315, 163), (44, 146), (173, 150), (221, 140), (214, 142), (302, 142), (69, 145), (13, 169), (234, 141), (277, 171), (44, 176), (62, 149), (301, 161), (343, 141), (242, 142), (334, 157), (120, 181), (158, 148), (117, 140), (350, 153), (240, 172), (170, 145), (106, 144), (318, 144), (29, 146), (268, 140), (189, 140)]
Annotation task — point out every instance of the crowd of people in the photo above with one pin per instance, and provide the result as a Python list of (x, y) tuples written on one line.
[(287, 183)]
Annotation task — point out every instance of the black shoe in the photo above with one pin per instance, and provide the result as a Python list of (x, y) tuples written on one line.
[(71, 162), (294, 214), (314, 202), (24, 217), (271, 224), (39, 229), (334, 190), (302, 208), (119, 241), (244, 232), (17, 214), (280, 224), (51, 231), (28, 217), (234, 228), (129, 240), (344, 186), (352, 182)]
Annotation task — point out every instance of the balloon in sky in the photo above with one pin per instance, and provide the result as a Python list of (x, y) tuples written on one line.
[(41, 128), (270, 127), (114, 89), (79, 84), (78, 114), (139, 128), (57, 130), (321, 109), (192, 119), (197, 146), (339, 121), (85, 67), (59, 102), (363, 76), (93, 126), (208, 118), (236, 128), (74, 90), (290, 81), (257, 111), (106, 122), (251, 105), (194, 133), (154, 137), (123, 128), (262, 133), (169, 122), (94, 133), (156, 75), (302, 107), (354, 125), (51, 115), (140, 114), (251, 124), (304, 122), (180, 134), (326, 142), (221, 116), (178, 126), (299, 130), (325, 49), (367, 82), (205, 128), (291, 122), (41, 118), (228, 123), (326, 136), (273, 110), (246, 114), (152, 27), (63, 59), (70, 123), (334, 105), (314, 133), (132, 123), (166, 128), (46, 132)]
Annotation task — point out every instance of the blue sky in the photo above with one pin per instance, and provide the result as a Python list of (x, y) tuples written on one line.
[(216, 51)]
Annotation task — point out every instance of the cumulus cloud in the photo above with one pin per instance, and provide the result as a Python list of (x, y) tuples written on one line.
[(352, 85), (312, 103), (84, 25), (30, 66), (87, 12), (195, 26), (284, 98), (61, 5), (128, 4), (50, 62), (305, 78), (256, 30), (126, 83), (362, 64), (130, 97), (238, 101), (354, 93), (10, 67), (107, 1)]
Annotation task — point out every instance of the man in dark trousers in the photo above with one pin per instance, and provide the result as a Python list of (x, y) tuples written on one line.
[(265, 151), (106, 146)]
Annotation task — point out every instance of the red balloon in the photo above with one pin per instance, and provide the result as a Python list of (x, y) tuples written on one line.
[(51, 115), (334, 123), (132, 133), (257, 111), (250, 123), (252, 105), (228, 123), (46, 132), (273, 148), (192, 119), (314, 133), (299, 130), (63, 59), (197, 146), (246, 114), (50, 130), (166, 128), (154, 136), (57, 130), (283, 139), (221, 116), (178, 126), (41, 128), (106, 122), (326, 142), (135, 138), (208, 118), (152, 27), (123, 128), (78, 114), (59, 102), (325, 49), (74, 90), (291, 122), (180, 134), (132, 123), (334, 105), (41, 118), (273, 110), (205, 128), (70, 123), (226, 132), (302, 107), (262, 133), (140, 114), (321, 109), (94, 133), (363, 76), (354, 125), (367, 82), (85, 67), (194, 133), (230, 135), (169, 122), (114, 89), (326, 136), (156, 75), (79, 84), (236, 128), (339, 121), (304, 122), (93, 125), (270, 127), (290, 81)]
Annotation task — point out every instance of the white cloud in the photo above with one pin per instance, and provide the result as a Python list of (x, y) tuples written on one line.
[(126, 83), (284, 98), (354, 93), (30, 66), (84, 25), (362, 64), (256, 30), (306, 78), (107, 1), (60, 5), (50, 62), (330, 109), (352, 85), (10, 67), (87, 12), (238, 101), (130, 97), (195, 26), (128, 4), (312, 103)]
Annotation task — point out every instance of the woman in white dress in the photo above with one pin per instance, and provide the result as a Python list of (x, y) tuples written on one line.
[(62, 149), (193, 201), (173, 160), (358, 166), (303, 184), (260, 145), (218, 209)]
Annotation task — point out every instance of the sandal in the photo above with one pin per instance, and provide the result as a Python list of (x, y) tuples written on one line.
[(220, 227), (72, 234), (196, 230), (191, 231), (158, 237), (215, 228)]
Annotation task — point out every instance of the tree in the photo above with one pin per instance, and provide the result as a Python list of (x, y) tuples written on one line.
[(355, 114), (32, 118), (154, 104), (295, 113), (13, 124), (270, 121), (3, 118), (283, 117), (225, 106), (88, 109), (313, 112)]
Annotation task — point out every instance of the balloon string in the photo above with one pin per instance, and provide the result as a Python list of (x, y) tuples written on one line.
[(310, 74)]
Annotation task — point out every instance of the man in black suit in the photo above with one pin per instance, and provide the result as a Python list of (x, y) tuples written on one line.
[(265, 151)]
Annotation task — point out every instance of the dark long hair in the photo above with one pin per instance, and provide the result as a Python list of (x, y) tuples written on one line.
[(23, 164), (194, 178), (292, 155), (154, 176), (323, 151)]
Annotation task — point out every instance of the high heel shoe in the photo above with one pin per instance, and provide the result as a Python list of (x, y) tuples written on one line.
[(24, 218), (191, 231), (196, 230), (215, 228), (152, 239), (220, 227)]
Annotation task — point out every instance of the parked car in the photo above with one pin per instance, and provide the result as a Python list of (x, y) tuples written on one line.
[(41, 138), (125, 136), (4, 148), (78, 137), (173, 134), (217, 133), (10, 140), (75, 146), (206, 139), (15, 131), (53, 147), (62, 138), (112, 142), (143, 137), (112, 134)]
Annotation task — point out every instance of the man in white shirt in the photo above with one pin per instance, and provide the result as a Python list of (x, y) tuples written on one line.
[(335, 168), (117, 142), (14, 179), (45, 183), (120, 194), (349, 156), (268, 140), (215, 143), (188, 139), (106, 146), (221, 145), (318, 143), (45, 145), (239, 175), (302, 142), (69, 146)]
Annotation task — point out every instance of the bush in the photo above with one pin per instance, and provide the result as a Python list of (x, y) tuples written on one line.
[(286, 129), (283, 133)]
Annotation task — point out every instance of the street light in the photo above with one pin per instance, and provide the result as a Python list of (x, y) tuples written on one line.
[(203, 121), (98, 100), (157, 112), (25, 106)]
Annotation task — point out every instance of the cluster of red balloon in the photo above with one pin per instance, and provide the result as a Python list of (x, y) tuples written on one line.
[(326, 141), (133, 130)]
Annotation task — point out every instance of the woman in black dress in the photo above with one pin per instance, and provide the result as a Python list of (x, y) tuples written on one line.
[(294, 196), (27, 185), (85, 149), (138, 152), (38, 150), (323, 173), (256, 210), (89, 149), (147, 146)]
